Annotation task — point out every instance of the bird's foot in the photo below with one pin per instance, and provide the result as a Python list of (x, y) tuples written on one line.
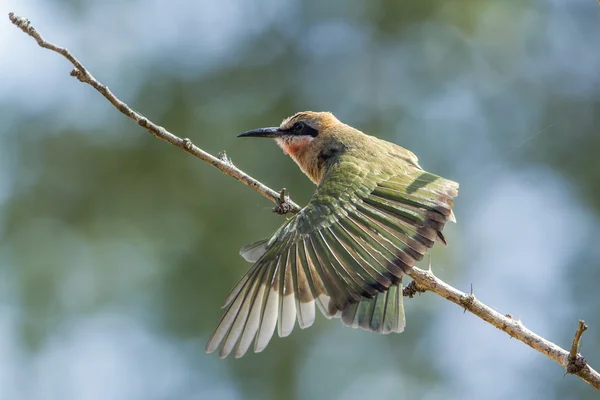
[(283, 205), (412, 289)]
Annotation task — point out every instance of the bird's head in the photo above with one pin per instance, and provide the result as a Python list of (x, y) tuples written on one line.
[(304, 136)]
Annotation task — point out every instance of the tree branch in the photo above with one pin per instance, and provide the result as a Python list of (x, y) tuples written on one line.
[(222, 163), (423, 280), (515, 328)]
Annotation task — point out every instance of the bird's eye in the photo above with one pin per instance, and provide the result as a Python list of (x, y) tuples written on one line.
[(298, 127)]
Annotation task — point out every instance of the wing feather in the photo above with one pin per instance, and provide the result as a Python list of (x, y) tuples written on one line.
[(268, 318), (345, 248), (253, 321), (383, 225), (345, 252), (364, 231), (333, 286), (352, 280), (287, 298), (316, 285), (305, 303)]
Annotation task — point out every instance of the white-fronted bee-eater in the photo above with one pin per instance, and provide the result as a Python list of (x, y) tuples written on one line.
[(373, 216)]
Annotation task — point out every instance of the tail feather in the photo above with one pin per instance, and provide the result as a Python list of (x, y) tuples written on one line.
[(384, 313)]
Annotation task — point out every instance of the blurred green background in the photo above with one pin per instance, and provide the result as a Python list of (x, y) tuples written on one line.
[(117, 250)]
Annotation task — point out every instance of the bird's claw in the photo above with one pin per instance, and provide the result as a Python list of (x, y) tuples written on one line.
[(283, 206)]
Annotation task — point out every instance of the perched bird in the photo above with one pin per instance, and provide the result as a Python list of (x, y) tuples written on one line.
[(375, 213)]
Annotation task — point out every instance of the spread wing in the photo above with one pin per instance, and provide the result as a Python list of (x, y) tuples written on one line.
[(361, 231)]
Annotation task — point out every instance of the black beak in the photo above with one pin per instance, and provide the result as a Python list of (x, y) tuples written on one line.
[(263, 132)]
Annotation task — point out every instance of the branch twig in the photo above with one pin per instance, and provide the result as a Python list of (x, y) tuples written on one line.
[(576, 362), (423, 280), (225, 165)]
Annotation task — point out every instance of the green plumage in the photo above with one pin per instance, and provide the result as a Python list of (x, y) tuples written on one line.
[(372, 217)]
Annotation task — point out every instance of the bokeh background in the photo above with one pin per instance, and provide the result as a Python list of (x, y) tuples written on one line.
[(117, 250)]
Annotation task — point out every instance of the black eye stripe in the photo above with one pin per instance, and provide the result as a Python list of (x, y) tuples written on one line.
[(302, 129)]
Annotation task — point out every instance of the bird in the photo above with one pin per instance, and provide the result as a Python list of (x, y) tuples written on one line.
[(374, 214)]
